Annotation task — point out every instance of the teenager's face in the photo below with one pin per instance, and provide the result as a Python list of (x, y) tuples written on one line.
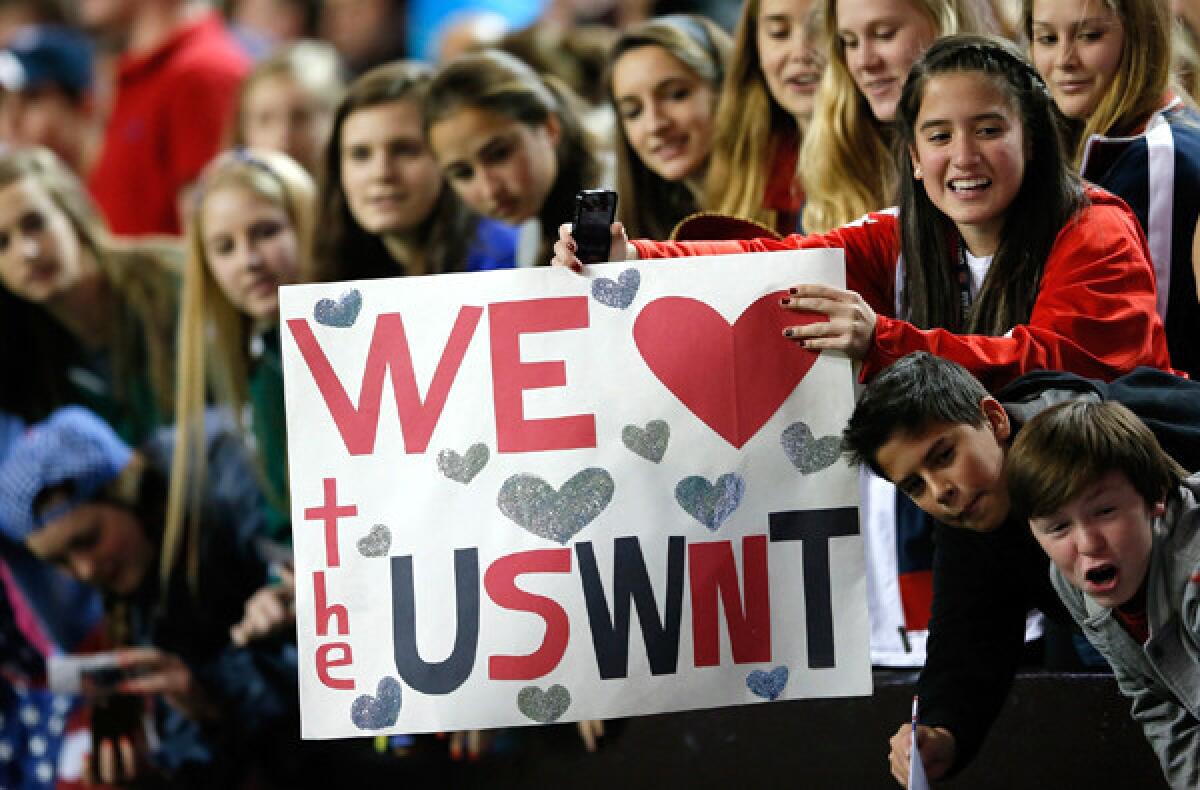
[(881, 40), (1188, 12), (1101, 540), (954, 471), (47, 117), (280, 115), (666, 111), (970, 154), (1076, 47), (502, 168), (790, 55), (107, 16), (389, 177), (97, 543), (251, 249), (279, 20), (40, 254)]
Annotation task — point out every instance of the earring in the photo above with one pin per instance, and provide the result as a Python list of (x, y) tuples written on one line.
[(917, 172)]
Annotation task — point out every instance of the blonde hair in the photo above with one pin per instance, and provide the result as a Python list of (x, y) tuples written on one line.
[(750, 128), (1142, 76), (846, 157), (214, 337), (143, 277), (650, 205)]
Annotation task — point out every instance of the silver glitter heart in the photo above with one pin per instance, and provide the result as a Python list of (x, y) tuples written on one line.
[(710, 504), (340, 313), (376, 542), (617, 293), (463, 468), (650, 443), (807, 454), (544, 706), (535, 506), (375, 713)]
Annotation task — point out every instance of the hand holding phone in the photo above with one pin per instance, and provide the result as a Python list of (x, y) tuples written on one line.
[(595, 211)]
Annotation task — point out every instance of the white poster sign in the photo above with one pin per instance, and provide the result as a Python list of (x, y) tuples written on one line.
[(533, 496)]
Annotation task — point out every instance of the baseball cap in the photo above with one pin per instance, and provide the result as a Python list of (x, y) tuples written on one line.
[(72, 446), (47, 55)]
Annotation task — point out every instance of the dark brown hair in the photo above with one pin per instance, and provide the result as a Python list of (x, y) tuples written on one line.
[(347, 251), (499, 83), (1070, 446)]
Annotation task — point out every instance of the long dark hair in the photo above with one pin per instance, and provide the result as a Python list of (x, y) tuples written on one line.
[(347, 251), (1050, 195), (499, 83)]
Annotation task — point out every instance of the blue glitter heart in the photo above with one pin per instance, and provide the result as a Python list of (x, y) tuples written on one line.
[(768, 685), (807, 454), (544, 706), (535, 506), (710, 504), (341, 313), (650, 443), (375, 713), (619, 293)]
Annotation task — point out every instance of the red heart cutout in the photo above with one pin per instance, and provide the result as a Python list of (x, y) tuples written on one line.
[(731, 377)]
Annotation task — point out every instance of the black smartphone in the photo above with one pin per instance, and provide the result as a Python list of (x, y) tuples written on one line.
[(595, 210), (103, 680)]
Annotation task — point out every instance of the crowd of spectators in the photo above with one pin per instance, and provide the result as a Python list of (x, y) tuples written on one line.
[(167, 165)]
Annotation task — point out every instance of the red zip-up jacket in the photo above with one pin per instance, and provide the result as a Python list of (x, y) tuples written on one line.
[(1094, 314)]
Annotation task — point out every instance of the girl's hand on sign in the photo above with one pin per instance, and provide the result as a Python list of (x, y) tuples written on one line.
[(565, 248), (851, 324), (591, 731)]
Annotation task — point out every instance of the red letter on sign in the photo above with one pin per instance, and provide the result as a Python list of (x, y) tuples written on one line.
[(511, 376), (325, 611), (389, 352), (324, 663), (712, 572), (500, 583)]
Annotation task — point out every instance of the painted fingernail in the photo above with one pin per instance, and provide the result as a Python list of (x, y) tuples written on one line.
[(785, 301), (788, 333), (793, 291)]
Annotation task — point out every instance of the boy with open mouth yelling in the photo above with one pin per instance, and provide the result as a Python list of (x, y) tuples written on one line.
[(1119, 521)]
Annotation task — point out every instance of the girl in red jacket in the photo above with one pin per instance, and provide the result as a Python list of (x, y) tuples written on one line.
[(997, 256)]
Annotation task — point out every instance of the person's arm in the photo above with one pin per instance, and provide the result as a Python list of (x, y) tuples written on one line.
[(1094, 315), (976, 634), (1171, 730), (871, 245)]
